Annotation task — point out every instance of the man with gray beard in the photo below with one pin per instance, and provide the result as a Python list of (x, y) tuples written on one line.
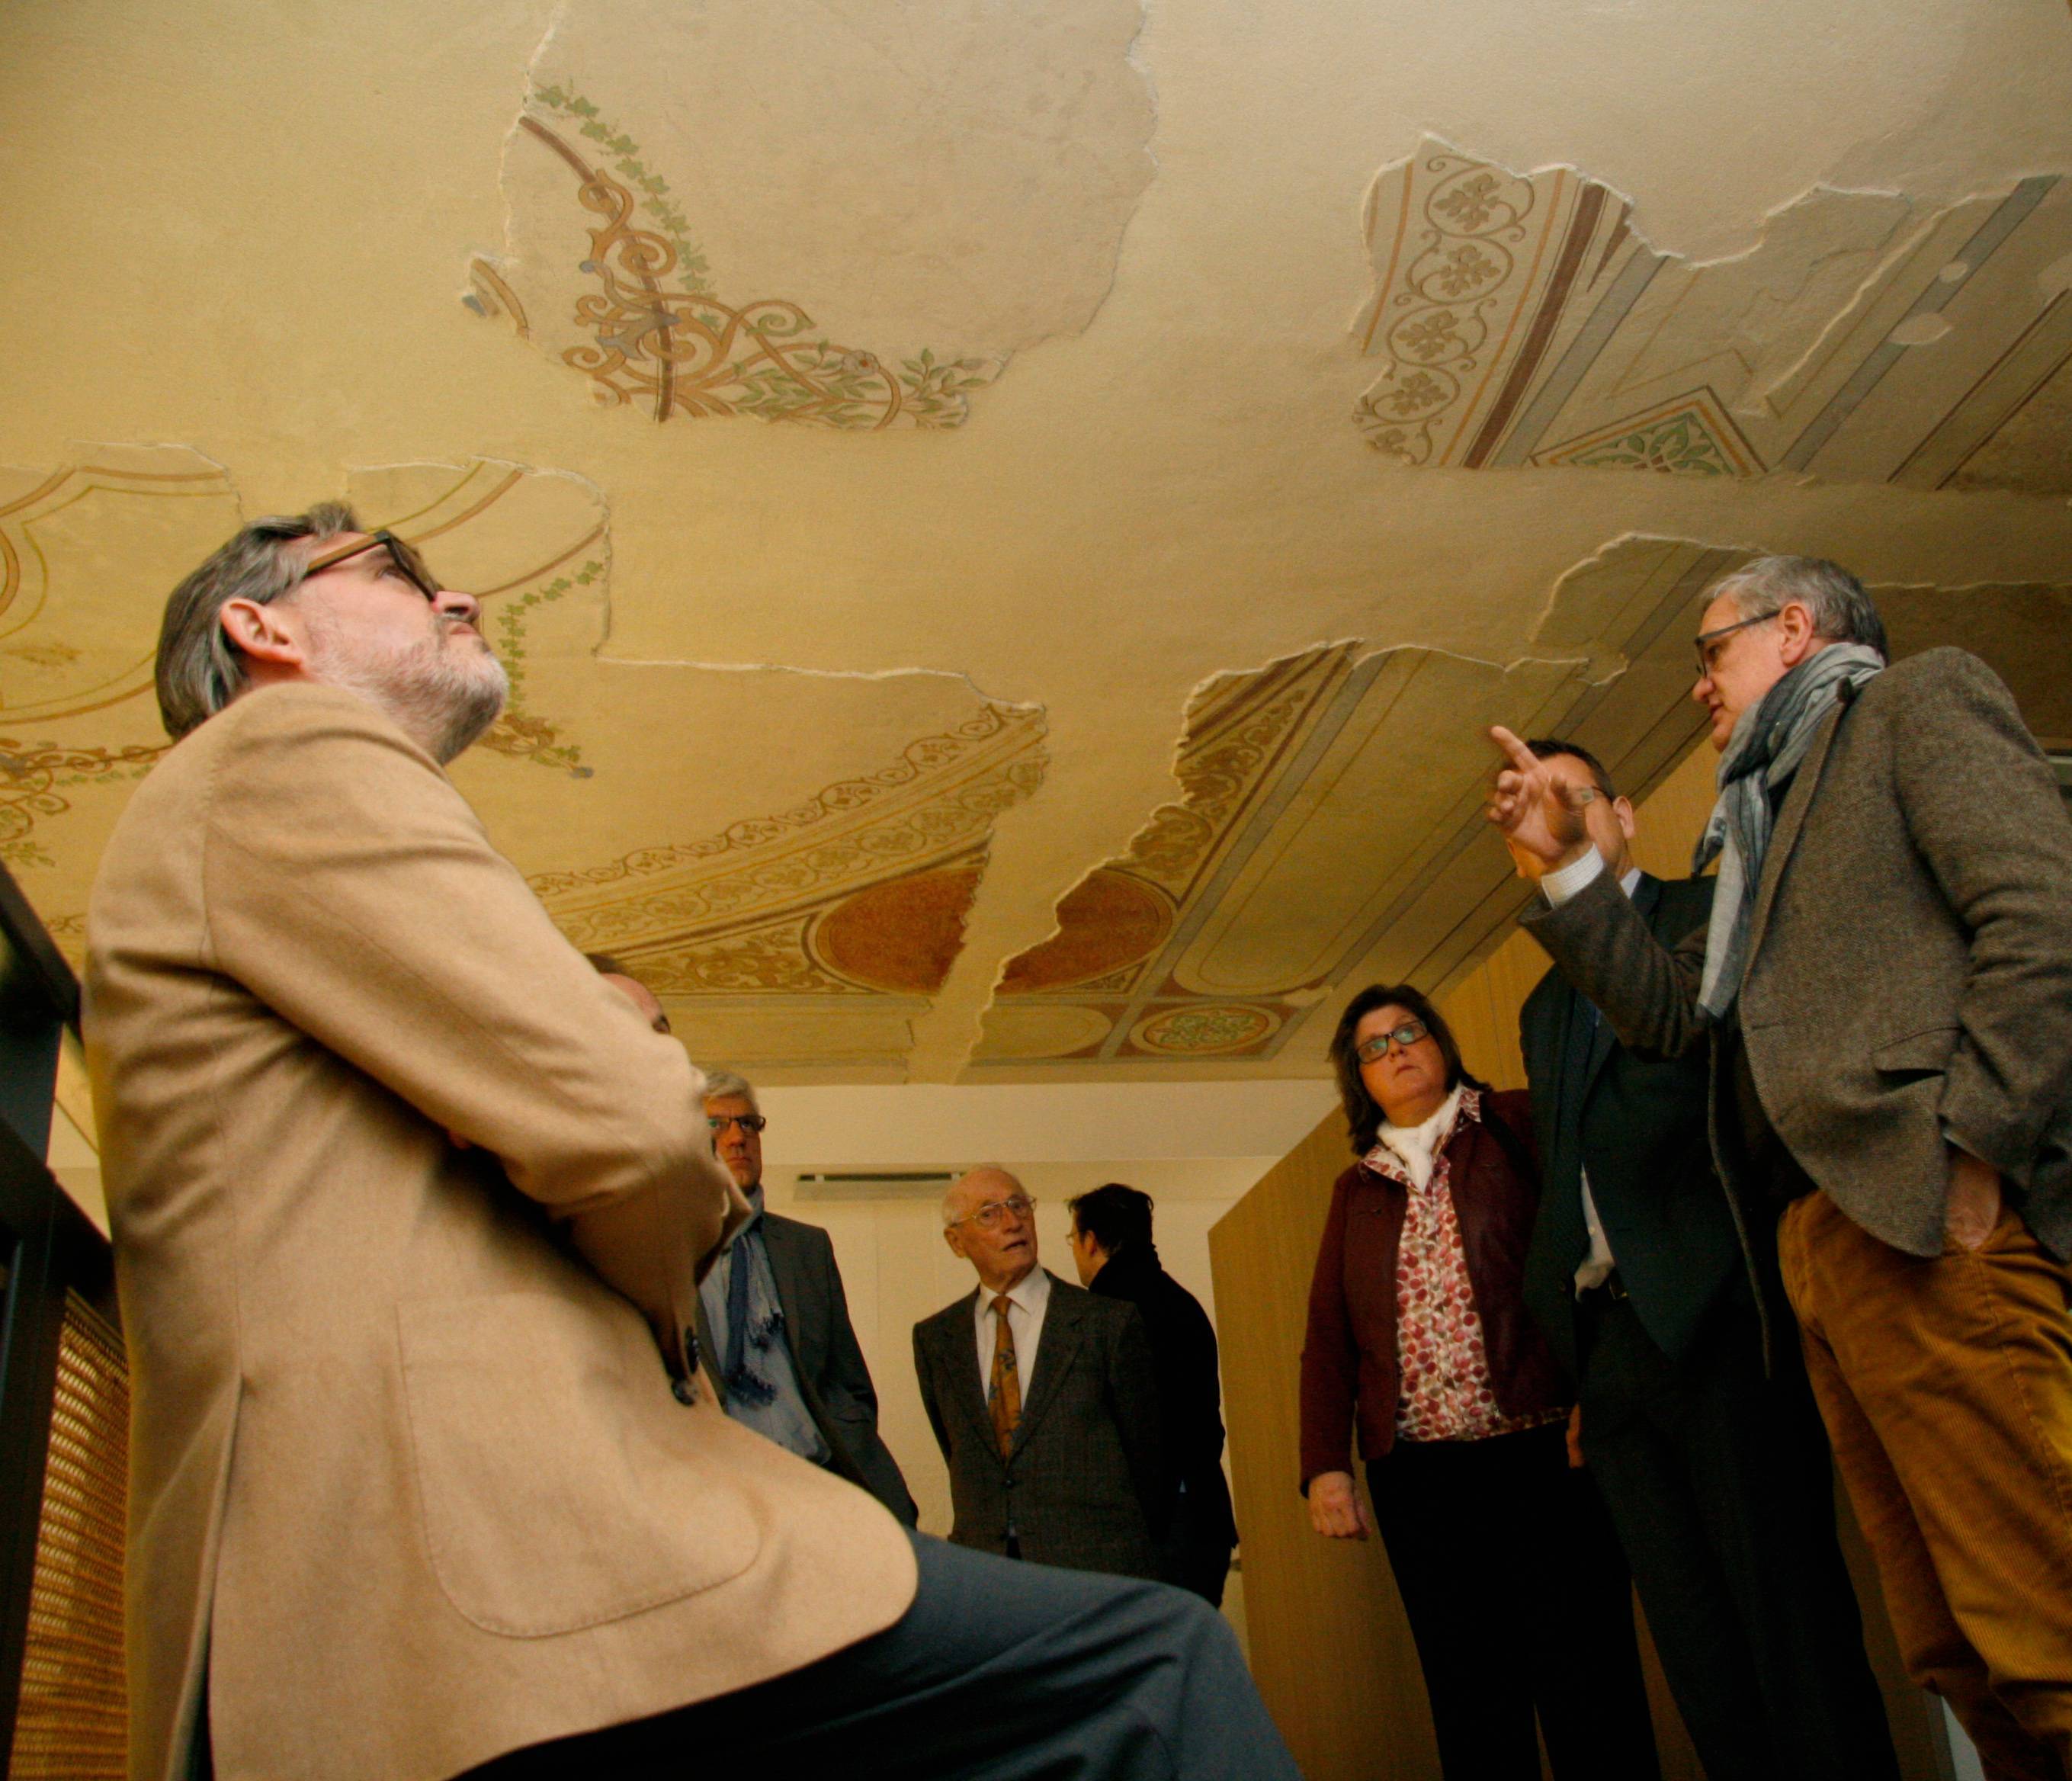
[(410, 1210)]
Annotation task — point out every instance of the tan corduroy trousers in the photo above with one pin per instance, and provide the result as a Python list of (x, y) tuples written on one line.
[(1947, 1387)]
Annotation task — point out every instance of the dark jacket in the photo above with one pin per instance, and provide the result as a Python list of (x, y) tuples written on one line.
[(833, 1377), (1183, 1358), (1349, 1356), (1637, 1125), (1910, 963), (1086, 1484)]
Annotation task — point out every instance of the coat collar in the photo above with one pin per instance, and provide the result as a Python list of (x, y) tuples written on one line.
[(1791, 820)]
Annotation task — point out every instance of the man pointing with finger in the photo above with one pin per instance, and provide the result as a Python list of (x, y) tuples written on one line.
[(1885, 987)]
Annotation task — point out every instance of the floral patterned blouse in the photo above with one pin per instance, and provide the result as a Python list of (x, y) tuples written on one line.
[(1447, 1394)]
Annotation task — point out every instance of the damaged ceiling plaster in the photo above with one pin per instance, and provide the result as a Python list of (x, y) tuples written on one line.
[(1525, 321), (832, 216), (1120, 709), (1330, 833), (810, 900)]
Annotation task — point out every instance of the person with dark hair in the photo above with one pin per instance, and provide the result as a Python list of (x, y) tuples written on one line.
[(1419, 1338), (1113, 1249), (1717, 1478), (1883, 997)]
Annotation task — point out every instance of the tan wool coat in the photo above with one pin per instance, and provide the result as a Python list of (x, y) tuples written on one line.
[(409, 1209)]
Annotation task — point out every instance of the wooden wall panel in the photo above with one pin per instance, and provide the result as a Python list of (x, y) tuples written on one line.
[(1329, 1647)]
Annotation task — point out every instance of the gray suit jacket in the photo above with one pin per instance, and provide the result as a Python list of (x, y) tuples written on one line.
[(1087, 1484), (1909, 968), (833, 1378)]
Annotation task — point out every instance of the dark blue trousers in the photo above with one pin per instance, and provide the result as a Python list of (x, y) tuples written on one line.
[(1002, 1671)]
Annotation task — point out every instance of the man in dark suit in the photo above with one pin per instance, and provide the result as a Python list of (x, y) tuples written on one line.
[(1884, 992), (1115, 1257), (1043, 1398), (777, 1323), (1717, 1478)]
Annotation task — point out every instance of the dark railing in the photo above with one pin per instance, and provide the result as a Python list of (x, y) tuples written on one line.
[(64, 1403)]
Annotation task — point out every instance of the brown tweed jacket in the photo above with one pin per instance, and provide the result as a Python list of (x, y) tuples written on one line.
[(1909, 972), (409, 1484)]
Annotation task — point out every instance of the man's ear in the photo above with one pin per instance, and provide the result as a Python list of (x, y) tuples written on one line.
[(1795, 636), (262, 633), (1622, 809)]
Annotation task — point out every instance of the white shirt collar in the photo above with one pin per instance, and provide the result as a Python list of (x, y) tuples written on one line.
[(1631, 881), (1029, 1293)]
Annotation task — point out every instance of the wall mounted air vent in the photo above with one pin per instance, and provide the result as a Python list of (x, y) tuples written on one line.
[(882, 1184)]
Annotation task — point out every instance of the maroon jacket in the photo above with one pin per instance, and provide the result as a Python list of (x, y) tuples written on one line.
[(1349, 1356)]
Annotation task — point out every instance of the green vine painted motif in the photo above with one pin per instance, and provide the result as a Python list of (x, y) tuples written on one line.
[(1679, 445), (518, 732), (685, 350), (691, 270), (30, 775)]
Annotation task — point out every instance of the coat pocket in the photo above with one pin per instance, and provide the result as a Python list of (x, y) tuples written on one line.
[(1925, 1052), (561, 1484)]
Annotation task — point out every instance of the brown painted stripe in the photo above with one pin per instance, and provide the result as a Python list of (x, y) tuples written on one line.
[(1581, 226)]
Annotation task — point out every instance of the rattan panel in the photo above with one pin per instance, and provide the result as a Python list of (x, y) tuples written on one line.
[(71, 1722)]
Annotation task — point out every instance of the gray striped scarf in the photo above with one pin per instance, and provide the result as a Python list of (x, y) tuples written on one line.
[(1768, 742)]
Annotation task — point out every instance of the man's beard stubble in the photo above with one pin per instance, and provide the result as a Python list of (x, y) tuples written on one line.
[(443, 701)]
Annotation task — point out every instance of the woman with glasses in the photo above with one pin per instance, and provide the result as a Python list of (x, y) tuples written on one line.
[(1515, 1589)]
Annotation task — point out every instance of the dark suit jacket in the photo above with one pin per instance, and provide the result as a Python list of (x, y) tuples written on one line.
[(832, 1376), (1910, 968), (1086, 1482), (1637, 1125), (1183, 1358)]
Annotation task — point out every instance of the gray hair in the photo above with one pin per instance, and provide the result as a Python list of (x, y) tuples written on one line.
[(950, 1193), (1842, 611), (199, 670), (720, 1084)]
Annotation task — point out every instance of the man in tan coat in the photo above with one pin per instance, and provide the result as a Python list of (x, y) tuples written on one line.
[(410, 1208)]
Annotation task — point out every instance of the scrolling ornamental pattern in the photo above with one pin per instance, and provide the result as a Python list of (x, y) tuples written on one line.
[(937, 801), (662, 338), (1433, 318)]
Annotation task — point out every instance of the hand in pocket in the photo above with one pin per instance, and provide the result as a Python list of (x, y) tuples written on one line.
[(1973, 1207)]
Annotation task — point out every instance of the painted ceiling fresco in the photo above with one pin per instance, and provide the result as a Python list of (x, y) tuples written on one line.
[(1117, 706), (819, 887), (1329, 832), (787, 211), (1525, 321)]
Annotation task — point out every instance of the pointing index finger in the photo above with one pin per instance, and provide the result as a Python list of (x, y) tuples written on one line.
[(1521, 757)]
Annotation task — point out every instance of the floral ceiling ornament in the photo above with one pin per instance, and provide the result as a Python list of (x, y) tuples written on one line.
[(1522, 322), (662, 339)]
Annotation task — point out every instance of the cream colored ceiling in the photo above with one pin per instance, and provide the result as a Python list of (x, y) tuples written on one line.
[(1007, 523)]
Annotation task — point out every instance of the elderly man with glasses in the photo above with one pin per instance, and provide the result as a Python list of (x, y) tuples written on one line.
[(776, 1322), (1883, 990), (1043, 1398)]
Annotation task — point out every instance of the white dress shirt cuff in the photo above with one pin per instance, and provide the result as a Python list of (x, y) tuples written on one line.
[(1558, 887)]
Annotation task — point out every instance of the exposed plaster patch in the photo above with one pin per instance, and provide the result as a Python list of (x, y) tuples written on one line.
[(849, 246), (1524, 321)]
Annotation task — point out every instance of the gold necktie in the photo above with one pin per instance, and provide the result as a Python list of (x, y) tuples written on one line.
[(1003, 1395)]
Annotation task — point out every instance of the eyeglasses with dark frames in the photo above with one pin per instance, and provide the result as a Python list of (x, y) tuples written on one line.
[(400, 553), (1707, 643), (750, 1123), (1374, 1048)]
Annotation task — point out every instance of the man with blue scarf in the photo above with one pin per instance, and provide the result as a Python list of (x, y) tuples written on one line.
[(1884, 989)]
